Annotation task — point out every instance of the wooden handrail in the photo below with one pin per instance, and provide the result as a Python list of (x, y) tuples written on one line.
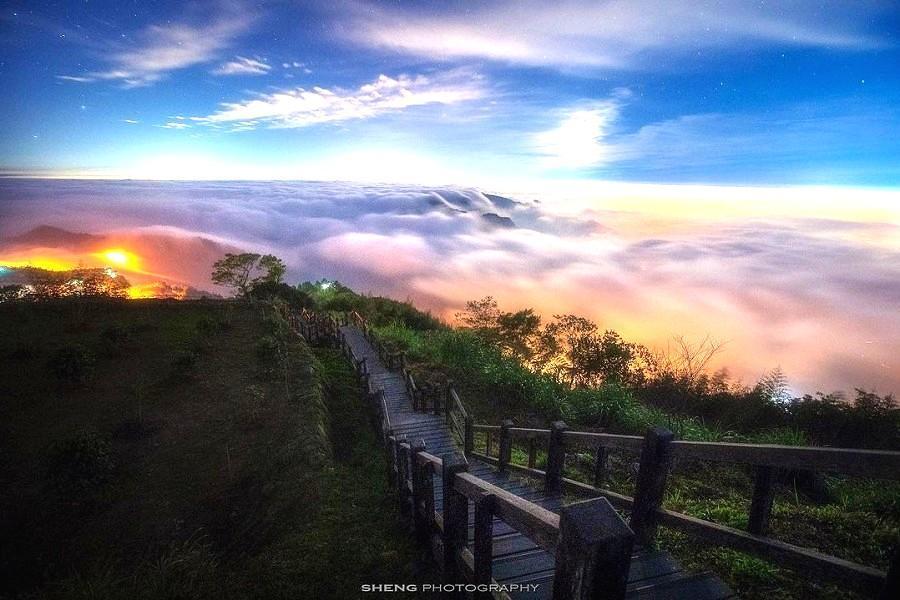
[(878, 464), (764, 457), (536, 522)]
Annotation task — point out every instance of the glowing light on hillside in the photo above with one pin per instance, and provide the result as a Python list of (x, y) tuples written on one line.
[(120, 258), (138, 292)]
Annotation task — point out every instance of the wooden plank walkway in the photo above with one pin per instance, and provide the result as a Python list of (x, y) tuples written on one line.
[(516, 559)]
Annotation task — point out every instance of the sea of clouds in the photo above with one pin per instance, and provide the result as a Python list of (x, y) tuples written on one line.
[(818, 297)]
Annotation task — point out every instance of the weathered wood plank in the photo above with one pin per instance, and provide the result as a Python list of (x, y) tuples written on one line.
[(534, 521), (863, 463)]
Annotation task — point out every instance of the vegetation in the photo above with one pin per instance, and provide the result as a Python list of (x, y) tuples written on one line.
[(505, 365), (45, 285), (184, 464), (237, 271)]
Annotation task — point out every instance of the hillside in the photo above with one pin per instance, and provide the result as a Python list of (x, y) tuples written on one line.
[(183, 449)]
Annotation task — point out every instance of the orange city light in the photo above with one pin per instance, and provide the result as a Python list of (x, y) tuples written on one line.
[(120, 258)]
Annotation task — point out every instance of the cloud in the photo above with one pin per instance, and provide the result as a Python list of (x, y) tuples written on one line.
[(803, 142), (784, 289), (610, 34), (175, 125), (579, 140), (242, 66), (302, 107), (161, 49)]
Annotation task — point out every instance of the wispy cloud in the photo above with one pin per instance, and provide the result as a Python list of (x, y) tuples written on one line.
[(161, 49), (243, 66), (301, 107), (588, 33)]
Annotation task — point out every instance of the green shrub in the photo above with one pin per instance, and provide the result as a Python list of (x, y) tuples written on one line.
[(184, 364), (268, 353), (72, 364), (80, 463), (114, 339), (206, 325)]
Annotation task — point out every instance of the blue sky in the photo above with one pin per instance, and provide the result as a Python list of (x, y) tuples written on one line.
[(733, 92)]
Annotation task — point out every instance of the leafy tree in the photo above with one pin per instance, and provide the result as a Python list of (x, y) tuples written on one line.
[(235, 271), (518, 333), (244, 271), (480, 315), (274, 270)]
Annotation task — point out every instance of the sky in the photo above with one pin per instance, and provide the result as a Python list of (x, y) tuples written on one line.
[(665, 168), (796, 92)]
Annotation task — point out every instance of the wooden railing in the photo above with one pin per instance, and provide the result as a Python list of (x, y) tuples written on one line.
[(657, 451), (591, 543)]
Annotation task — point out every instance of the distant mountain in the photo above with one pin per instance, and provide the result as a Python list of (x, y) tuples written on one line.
[(498, 221), (47, 236)]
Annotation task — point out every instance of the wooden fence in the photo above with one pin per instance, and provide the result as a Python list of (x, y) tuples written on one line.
[(658, 449)]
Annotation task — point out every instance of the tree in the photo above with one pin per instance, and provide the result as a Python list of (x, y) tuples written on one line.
[(274, 267), (480, 315), (237, 271)]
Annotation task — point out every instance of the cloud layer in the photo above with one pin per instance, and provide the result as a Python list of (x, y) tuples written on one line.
[(807, 294)]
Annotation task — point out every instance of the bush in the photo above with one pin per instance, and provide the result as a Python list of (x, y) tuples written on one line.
[(206, 325), (268, 352), (72, 364), (114, 339), (80, 463), (184, 364)]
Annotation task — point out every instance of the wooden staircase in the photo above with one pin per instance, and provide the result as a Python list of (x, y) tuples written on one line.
[(515, 557)]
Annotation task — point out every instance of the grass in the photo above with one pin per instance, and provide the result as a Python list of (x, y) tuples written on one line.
[(183, 463)]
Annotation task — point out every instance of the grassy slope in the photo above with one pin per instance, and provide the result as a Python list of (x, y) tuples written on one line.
[(224, 482)]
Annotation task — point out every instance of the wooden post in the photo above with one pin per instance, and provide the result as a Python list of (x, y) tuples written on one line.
[(656, 457), (487, 442), (505, 452), (891, 588), (428, 502), (401, 475), (456, 517), (436, 394), (763, 496), (448, 404), (469, 442), (391, 459), (556, 458), (594, 552), (420, 523), (483, 546), (600, 466), (532, 452)]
